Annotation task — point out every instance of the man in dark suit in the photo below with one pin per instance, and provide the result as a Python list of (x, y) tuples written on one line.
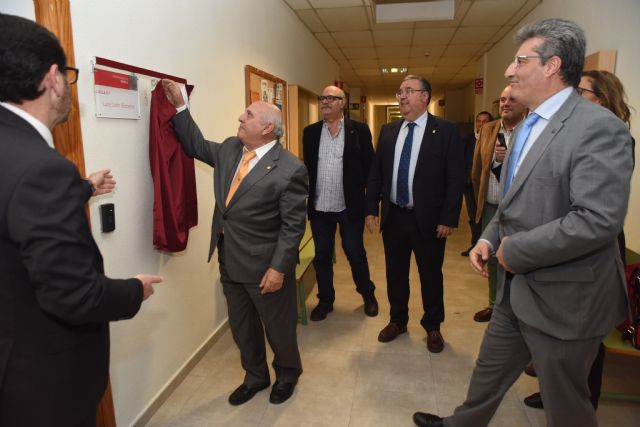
[(259, 219), (470, 200), (338, 153), (55, 301), (418, 173), (561, 285)]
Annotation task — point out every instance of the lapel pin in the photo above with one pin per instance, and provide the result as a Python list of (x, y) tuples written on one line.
[(268, 167), (433, 131)]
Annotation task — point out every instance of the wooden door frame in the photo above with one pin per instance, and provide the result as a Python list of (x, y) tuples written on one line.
[(55, 15)]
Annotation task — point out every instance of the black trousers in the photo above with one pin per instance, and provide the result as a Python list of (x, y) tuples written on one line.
[(401, 238)]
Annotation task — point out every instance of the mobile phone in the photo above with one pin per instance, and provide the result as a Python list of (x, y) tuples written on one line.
[(501, 141)]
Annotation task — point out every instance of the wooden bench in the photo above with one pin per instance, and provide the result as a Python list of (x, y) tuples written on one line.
[(305, 274), (614, 344)]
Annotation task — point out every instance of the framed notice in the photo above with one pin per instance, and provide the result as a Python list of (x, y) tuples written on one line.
[(262, 86), (116, 95)]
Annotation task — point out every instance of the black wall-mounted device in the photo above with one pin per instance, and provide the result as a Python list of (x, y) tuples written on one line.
[(107, 217)]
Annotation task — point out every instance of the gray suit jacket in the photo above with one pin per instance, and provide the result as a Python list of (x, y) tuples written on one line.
[(562, 214), (266, 218)]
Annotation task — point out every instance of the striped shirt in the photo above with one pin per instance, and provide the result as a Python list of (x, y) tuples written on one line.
[(329, 186)]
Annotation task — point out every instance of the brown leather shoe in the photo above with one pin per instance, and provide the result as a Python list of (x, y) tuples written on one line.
[(483, 315), (435, 342), (391, 332)]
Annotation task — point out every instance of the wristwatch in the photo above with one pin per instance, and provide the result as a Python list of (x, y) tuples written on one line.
[(92, 188)]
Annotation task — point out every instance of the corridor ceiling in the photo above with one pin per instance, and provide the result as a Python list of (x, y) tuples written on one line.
[(446, 52)]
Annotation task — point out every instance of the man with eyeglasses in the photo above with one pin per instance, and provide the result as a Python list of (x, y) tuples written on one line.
[(55, 301), (488, 158), (418, 174), (338, 154), (565, 189)]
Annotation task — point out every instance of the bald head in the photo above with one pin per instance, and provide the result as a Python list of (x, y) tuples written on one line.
[(260, 124), (332, 103)]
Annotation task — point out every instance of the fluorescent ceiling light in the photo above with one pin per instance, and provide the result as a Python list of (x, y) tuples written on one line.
[(436, 10)]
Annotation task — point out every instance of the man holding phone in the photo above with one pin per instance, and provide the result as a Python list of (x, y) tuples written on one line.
[(485, 175)]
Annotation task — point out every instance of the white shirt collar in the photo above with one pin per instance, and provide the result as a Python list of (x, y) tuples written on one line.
[(420, 121), (261, 151), (37, 124)]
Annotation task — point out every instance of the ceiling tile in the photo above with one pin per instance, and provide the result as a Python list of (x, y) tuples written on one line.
[(360, 52), (453, 60), (421, 71), (336, 53), (393, 51), (466, 35), (392, 37), (423, 61), (326, 40), (418, 50), (364, 72), (324, 4), (393, 63), (448, 69), (365, 63), (353, 38), (311, 20), (464, 50), (433, 35), (524, 11), (491, 12), (298, 4), (344, 18)]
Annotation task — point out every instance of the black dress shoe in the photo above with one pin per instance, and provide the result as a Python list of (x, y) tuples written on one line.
[(427, 420), (534, 401), (244, 393), (370, 306), (281, 391), (466, 253), (530, 370), (320, 312)]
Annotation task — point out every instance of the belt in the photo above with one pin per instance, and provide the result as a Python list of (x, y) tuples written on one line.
[(406, 209)]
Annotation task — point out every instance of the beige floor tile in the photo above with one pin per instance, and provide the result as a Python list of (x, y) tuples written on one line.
[(352, 380)]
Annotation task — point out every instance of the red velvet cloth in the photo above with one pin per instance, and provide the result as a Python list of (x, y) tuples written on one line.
[(175, 204)]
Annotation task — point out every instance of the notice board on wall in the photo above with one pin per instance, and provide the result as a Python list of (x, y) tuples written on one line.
[(262, 86)]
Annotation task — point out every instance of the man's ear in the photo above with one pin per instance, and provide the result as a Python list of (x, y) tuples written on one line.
[(269, 127), (53, 80), (552, 66)]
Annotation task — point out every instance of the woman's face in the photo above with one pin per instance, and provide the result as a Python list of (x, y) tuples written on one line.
[(585, 88)]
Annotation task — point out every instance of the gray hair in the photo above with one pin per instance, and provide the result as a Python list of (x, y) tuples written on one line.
[(562, 38), (274, 116), (423, 82)]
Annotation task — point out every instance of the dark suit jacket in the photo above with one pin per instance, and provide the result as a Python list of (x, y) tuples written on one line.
[(55, 301), (438, 181), (469, 144), (356, 162), (265, 219)]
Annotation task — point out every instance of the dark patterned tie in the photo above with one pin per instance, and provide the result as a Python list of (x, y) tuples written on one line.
[(516, 148), (402, 191)]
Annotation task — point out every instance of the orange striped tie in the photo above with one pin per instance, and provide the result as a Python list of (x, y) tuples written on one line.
[(242, 172)]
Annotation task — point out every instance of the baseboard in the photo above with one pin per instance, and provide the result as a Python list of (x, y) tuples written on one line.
[(179, 376)]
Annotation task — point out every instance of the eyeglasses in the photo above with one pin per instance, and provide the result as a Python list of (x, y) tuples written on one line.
[(522, 59), (329, 98), (408, 92), (72, 74), (581, 90)]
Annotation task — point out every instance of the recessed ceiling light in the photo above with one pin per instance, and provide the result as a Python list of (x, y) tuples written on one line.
[(394, 70)]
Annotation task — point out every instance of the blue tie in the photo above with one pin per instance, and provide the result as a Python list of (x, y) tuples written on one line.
[(516, 149), (402, 192)]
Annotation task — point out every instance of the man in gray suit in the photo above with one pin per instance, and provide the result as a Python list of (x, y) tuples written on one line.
[(560, 280), (259, 219)]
